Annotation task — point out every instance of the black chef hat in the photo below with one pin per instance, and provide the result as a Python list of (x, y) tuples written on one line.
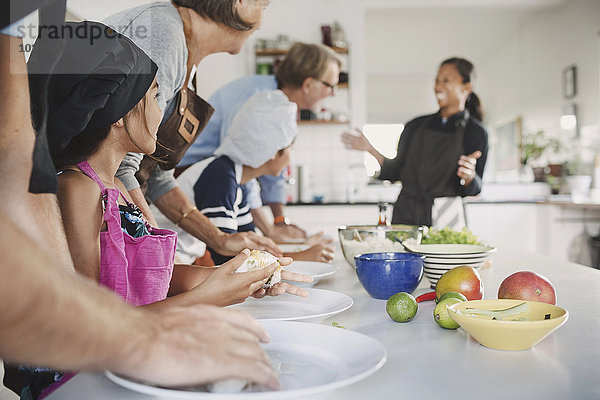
[(99, 77)]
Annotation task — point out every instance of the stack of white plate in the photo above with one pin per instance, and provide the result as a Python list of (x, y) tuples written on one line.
[(440, 258)]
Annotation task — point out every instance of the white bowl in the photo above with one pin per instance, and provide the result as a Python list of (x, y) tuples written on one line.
[(433, 272), (451, 250), (440, 258), (454, 261)]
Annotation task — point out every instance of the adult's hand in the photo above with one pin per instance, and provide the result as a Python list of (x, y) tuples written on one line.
[(319, 252), (356, 140), (233, 243), (318, 238), (199, 344), (283, 233), (466, 167)]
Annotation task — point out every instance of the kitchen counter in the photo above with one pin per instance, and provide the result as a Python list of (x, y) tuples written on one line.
[(558, 200), (426, 361)]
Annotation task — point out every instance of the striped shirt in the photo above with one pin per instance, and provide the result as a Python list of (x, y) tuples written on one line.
[(215, 186)]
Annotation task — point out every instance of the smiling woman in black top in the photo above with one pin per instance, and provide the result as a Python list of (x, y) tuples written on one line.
[(439, 155)]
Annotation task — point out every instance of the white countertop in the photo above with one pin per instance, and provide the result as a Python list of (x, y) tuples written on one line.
[(427, 362)]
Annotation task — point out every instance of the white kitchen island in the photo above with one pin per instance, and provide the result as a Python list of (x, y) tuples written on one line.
[(427, 362)]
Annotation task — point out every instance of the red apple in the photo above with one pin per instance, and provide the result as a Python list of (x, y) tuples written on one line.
[(462, 279), (527, 285)]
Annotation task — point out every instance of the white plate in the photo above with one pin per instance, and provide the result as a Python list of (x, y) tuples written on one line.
[(319, 304), (314, 359), (317, 270), (293, 248), (450, 249)]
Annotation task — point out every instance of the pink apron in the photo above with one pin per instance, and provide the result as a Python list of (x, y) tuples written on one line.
[(137, 269)]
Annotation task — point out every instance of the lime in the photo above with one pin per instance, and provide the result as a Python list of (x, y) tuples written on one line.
[(401, 307), (451, 295), (441, 316)]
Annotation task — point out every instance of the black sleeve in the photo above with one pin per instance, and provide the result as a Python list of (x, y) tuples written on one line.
[(392, 168), (476, 138)]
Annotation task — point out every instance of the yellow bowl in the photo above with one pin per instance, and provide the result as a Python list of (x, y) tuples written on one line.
[(509, 334)]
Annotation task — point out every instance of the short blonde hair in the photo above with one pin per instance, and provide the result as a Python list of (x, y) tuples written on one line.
[(304, 61)]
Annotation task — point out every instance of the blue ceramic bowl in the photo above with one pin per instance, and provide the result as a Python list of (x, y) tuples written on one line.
[(385, 274)]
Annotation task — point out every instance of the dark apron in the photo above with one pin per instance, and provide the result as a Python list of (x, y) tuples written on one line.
[(429, 171), (177, 133)]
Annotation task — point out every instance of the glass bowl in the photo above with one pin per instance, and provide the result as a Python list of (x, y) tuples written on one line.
[(361, 239)]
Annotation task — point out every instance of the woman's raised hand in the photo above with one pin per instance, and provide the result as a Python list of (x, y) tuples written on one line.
[(466, 167), (356, 140)]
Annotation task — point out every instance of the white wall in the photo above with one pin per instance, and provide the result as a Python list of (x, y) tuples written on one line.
[(406, 46), (519, 48), (520, 54)]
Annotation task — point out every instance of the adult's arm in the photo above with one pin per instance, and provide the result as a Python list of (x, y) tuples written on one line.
[(65, 321), (126, 174), (358, 141), (38, 214), (272, 192), (175, 203), (476, 139)]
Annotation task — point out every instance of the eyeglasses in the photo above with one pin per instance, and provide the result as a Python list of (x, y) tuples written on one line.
[(331, 87)]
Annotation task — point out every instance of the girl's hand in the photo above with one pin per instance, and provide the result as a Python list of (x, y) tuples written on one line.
[(284, 287), (224, 286)]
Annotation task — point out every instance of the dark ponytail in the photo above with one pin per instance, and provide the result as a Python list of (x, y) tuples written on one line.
[(467, 71), (473, 104)]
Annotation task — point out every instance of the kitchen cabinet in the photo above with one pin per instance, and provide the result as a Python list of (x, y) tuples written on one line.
[(511, 225), (560, 230)]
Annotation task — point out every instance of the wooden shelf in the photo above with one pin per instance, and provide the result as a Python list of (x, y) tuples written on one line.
[(320, 122), (343, 85), (282, 52)]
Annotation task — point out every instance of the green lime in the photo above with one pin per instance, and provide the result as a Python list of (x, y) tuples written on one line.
[(441, 315), (451, 295), (401, 307)]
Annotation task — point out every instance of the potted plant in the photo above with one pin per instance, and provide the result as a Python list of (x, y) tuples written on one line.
[(533, 148), (579, 178)]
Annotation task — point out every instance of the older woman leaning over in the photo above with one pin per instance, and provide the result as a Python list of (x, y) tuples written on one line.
[(177, 36)]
